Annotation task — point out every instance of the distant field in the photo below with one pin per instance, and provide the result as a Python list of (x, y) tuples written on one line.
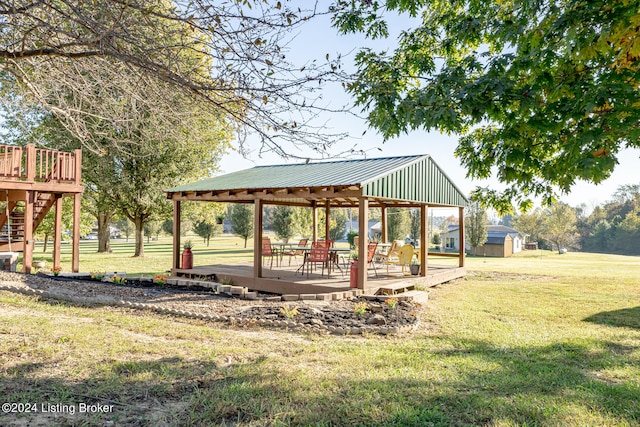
[(540, 339)]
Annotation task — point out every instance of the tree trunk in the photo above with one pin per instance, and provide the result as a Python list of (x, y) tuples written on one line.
[(104, 233), (245, 242), (139, 223), (46, 240)]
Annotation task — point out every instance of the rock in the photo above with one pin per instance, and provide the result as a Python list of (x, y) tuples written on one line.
[(375, 308), (316, 312), (376, 319), (316, 322)]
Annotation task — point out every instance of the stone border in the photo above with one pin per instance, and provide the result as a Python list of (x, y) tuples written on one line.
[(234, 321), (241, 291)]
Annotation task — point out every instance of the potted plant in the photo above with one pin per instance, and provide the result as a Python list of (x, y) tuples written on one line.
[(220, 219), (187, 256), (414, 267)]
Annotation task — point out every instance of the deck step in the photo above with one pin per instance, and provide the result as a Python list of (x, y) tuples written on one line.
[(395, 288), (420, 297)]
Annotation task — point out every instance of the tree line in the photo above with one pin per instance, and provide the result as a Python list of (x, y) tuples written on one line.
[(613, 227)]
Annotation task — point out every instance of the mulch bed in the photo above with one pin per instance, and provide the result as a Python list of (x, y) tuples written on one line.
[(333, 316)]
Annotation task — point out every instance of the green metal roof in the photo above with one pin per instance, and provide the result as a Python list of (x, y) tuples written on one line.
[(407, 178)]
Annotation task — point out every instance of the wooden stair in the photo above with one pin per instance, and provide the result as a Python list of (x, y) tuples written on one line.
[(41, 207), (43, 203), (415, 295), (405, 291), (395, 288)]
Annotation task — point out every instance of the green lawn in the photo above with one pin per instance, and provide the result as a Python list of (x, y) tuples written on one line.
[(537, 339), (157, 259)]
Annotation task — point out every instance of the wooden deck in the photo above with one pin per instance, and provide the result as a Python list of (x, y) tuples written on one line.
[(32, 182), (284, 280)]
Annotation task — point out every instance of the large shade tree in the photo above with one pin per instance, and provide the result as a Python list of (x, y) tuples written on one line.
[(144, 135), (542, 93), (248, 75)]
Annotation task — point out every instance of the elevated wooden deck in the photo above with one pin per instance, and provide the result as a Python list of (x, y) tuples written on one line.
[(32, 181), (284, 280)]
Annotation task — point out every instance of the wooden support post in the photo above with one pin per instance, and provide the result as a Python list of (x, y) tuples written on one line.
[(75, 245), (27, 257), (424, 239), (363, 241), (461, 236), (177, 217), (57, 230), (383, 223), (257, 238), (327, 224), (314, 219)]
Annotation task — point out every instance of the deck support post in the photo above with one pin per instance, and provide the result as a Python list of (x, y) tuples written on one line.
[(27, 255), (461, 236), (75, 251), (363, 241), (424, 239), (57, 231), (177, 214), (257, 238)]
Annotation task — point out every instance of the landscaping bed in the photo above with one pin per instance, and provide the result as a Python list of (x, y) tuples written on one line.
[(353, 316)]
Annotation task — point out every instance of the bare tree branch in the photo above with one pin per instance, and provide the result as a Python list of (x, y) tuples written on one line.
[(246, 75)]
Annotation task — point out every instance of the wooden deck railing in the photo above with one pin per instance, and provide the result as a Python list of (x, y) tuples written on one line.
[(38, 165)]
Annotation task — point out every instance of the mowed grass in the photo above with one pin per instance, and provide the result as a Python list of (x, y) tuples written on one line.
[(157, 254), (537, 339)]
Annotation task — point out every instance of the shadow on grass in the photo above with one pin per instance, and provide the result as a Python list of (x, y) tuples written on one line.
[(625, 318), (131, 393), (474, 383)]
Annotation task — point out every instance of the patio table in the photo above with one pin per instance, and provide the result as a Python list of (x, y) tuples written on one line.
[(333, 257), (279, 247)]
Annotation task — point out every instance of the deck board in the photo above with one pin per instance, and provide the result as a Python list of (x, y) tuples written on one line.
[(284, 280)]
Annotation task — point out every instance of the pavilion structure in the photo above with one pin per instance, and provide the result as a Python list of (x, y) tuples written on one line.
[(407, 181), (32, 182)]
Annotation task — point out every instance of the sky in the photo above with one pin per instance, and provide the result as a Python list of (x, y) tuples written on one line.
[(318, 39)]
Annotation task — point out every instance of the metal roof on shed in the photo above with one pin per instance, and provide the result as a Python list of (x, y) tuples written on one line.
[(408, 178)]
